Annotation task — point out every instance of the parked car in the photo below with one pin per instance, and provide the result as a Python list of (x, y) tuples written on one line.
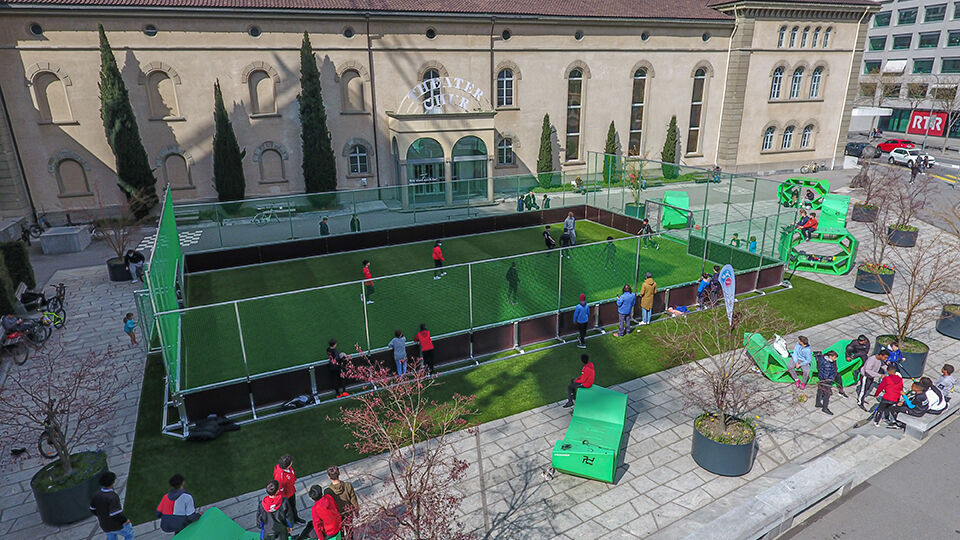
[(861, 149), (890, 144), (907, 156)]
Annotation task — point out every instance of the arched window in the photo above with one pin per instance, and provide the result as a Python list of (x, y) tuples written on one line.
[(803, 38), (787, 138), (162, 96), (51, 95), (805, 136), (793, 36), (505, 152), (431, 104), (505, 88), (815, 79), (767, 139), (176, 172), (425, 170), (262, 100), (781, 36), (776, 83), (826, 36), (796, 82), (272, 169), (574, 110), (816, 36), (696, 110), (72, 178), (636, 111), (351, 88), (358, 160), (469, 168)]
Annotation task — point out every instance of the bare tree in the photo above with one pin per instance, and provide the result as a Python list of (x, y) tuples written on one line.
[(401, 420), (946, 99), (117, 229), (879, 184), (916, 94), (68, 401), (724, 384), (906, 199)]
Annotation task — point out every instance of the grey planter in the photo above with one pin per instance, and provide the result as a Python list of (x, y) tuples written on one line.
[(912, 364), (723, 459), (949, 323), (873, 283), (72, 503), (863, 214), (902, 238)]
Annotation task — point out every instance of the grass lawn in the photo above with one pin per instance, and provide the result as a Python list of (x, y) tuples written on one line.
[(242, 461), (299, 325)]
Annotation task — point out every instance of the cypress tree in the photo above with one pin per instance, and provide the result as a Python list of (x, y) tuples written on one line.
[(227, 156), (610, 157), (669, 152), (319, 166), (545, 158), (133, 168)]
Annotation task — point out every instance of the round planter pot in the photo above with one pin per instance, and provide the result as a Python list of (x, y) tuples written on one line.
[(634, 210), (912, 364), (949, 323), (902, 238), (117, 270), (70, 503), (873, 283), (720, 458), (863, 214)]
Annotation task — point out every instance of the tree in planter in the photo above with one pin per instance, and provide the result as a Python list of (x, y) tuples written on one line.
[(319, 166), (416, 434), (611, 156), (906, 200), (227, 156), (873, 179), (134, 175), (70, 402), (545, 156), (669, 153)]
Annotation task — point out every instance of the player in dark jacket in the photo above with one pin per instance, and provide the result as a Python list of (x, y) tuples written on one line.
[(273, 514), (827, 373), (547, 239), (859, 348), (915, 403)]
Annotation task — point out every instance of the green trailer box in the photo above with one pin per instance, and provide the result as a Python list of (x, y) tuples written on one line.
[(591, 446)]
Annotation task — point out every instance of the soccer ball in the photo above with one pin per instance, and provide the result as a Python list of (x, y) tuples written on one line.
[(802, 398)]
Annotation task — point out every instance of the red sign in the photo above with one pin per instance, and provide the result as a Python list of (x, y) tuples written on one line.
[(919, 120)]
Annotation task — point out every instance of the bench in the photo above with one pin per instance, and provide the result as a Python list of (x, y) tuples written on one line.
[(591, 446), (215, 524), (277, 209), (918, 426), (774, 366), (186, 216)]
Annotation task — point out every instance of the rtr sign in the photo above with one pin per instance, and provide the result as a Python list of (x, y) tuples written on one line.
[(919, 121), (453, 91)]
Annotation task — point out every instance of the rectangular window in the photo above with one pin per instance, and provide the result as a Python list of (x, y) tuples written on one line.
[(890, 90), (935, 13), (923, 65), (871, 67), (956, 10), (636, 111), (950, 65), (929, 40), (696, 111), (945, 93), (574, 93), (917, 91), (868, 89), (881, 19), (953, 38), (907, 16), (902, 42), (878, 43)]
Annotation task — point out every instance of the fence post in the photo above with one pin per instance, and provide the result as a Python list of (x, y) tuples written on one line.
[(219, 221), (753, 203), (636, 266), (470, 292), (290, 219), (366, 323), (243, 348), (706, 242), (559, 282)]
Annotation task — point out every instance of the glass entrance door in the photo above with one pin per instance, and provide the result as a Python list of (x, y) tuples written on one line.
[(426, 178), (469, 169)]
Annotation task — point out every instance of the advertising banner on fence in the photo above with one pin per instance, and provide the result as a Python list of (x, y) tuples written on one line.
[(920, 119), (728, 284)]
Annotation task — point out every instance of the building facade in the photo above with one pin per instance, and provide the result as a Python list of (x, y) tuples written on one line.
[(418, 94), (912, 63)]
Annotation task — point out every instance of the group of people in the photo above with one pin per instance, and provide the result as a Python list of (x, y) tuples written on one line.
[(568, 238), (736, 242), (708, 288), (925, 395), (424, 345), (529, 202), (807, 224)]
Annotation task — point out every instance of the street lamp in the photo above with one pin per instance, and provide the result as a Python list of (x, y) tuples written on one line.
[(923, 147)]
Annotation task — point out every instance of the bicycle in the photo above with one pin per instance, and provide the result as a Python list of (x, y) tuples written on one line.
[(14, 346), (36, 332), (56, 318), (813, 167), (34, 230), (36, 301), (265, 216)]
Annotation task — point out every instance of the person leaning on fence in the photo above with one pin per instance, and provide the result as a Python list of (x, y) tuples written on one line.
[(426, 347), (647, 291), (337, 360), (176, 509), (273, 514), (735, 240), (585, 380), (324, 227), (399, 346), (870, 371), (545, 202), (703, 290), (581, 316), (891, 387), (752, 246), (801, 357), (827, 374), (355, 223), (345, 498), (625, 303)]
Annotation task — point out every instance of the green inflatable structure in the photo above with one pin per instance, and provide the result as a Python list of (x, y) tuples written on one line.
[(831, 229), (676, 210), (773, 365), (591, 446), (215, 524), (792, 191)]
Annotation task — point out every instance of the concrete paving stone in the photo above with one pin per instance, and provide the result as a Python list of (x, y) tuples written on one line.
[(642, 446), (24, 522), (586, 510), (564, 521), (683, 464), (662, 475), (663, 494), (666, 438), (668, 513), (588, 529), (694, 499), (638, 466), (721, 485), (614, 497), (616, 516), (663, 456), (639, 527), (686, 482)]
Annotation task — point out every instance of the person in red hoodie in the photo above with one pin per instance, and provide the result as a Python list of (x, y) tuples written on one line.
[(438, 261), (326, 519), (810, 226), (368, 284), (585, 380), (891, 386), (426, 347), (287, 479)]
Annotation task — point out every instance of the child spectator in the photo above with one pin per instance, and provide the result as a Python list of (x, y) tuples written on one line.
[(810, 226), (891, 387), (129, 326), (609, 254), (325, 517), (647, 291), (176, 509), (946, 382), (678, 311), (870, 371), (735, 240), (703, 289), (287, 480), (344, 496), (896, 356), (547, 239), (399, 346), (752, 247), (581, 316), (585, 380), (426, 347), (800, 358), (565, 244), (337, 359), (937, 402), (513, 284), (546, 201), (804, 218), (368, 284), (827, 374), (355, 223), (438, 261), (106, 506), (625, 303), (273, 514)]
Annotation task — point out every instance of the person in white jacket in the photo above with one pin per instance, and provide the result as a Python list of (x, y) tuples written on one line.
[(870, 371)]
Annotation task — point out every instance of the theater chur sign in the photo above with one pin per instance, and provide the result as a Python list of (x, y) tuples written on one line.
[(431, 95)]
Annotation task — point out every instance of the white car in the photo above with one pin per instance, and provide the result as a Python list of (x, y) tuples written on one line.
[(907, 156)]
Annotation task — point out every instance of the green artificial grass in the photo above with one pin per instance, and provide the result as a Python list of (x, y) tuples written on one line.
[(242, 461), (290, 330)]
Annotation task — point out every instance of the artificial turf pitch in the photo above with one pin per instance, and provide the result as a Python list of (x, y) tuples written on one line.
[(293, 329)]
